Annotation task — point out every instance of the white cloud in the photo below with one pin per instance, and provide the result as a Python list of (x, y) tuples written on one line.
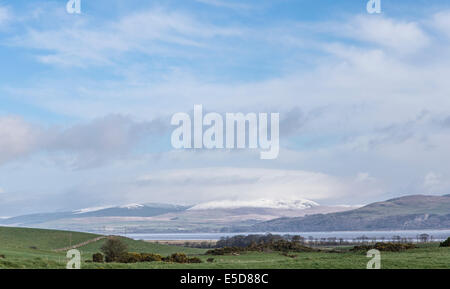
[(364, 177), (441, 22), (432, 179), (405, 37), (245, 184), (153, 32), (5, 15), (435, 183)]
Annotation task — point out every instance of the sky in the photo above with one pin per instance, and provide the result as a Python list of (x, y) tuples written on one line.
[(86, 100)]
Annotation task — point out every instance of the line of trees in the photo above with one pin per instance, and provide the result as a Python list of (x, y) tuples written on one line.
[(247, 240)]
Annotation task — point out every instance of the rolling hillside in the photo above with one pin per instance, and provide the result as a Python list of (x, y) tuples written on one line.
[(37, 248), (51, 240)]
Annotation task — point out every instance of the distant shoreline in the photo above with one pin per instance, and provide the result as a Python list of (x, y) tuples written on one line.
[(181, 242), (437, 235)]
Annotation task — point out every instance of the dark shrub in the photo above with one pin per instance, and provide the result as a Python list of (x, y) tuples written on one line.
[(113, 249), (176, 258), (132, 257), (129, 258), (446, 243), (181, 258), (194, 260), (97, 258), (390, 247), (225, 251), (289, 255), (210, 260), (149, 257), (278, 245)]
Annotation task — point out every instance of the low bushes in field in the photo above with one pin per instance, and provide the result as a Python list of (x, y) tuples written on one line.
[(194, 260), (176, 258), (387, 247), (446, 243), (149, 257), (132, 257), (286, 246), (181, 258), (129, 257), (114, 250), (279, 245), (289, 255), (225, 251)]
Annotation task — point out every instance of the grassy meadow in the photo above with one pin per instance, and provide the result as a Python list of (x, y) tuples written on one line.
[(34, 249)]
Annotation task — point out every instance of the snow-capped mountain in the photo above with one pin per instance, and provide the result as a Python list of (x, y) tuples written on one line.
[(299, 204), (132, 206), (88, 210)]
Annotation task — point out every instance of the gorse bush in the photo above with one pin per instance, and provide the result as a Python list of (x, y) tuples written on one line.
[(133, 257), (194, 260), (388, 247), (176, 258), (149, 257), (129, 257), (181, 258), (446, 243)]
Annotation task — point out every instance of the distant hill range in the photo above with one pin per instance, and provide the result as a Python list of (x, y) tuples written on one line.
[(131, 210), (415, 212), (405, 213), (163, 218)]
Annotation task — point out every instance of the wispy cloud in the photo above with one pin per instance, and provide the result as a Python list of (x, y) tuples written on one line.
[(236, 5), (5, 15), (154, 32)]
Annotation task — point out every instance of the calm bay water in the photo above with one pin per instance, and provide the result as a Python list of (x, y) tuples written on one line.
[(347, 235)]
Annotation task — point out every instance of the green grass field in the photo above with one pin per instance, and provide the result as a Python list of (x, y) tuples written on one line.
[(33, 249)]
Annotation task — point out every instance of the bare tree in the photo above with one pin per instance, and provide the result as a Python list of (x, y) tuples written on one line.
[(424, 238)]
